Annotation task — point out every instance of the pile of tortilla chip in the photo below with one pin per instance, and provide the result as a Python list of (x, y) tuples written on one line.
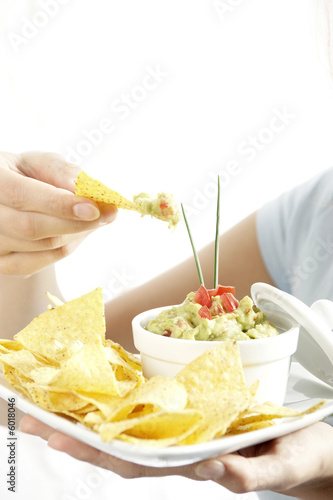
[(63, 363)]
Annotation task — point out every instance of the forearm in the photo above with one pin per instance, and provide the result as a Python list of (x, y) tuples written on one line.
[(21, 299), (168, 288)]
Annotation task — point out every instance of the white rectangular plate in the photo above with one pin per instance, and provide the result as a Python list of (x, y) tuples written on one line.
[(304, 390)]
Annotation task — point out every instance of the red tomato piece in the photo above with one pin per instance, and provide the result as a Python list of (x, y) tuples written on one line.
[(164, 205), (220, 290), (226, 289), (167, 333), (229, 302), (166, 208), (202, 297), (205, 312)]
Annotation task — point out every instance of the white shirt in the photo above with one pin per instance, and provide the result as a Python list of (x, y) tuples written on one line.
[(295, 234)]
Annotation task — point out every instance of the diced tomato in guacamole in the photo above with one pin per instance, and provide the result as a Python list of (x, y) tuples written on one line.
[(213, 316)]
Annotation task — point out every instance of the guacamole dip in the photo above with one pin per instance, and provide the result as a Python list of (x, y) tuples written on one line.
[(163, 207), (205, 315)]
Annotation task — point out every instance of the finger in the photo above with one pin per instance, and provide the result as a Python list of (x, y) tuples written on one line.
[(82, 451), (242, 475), (12, 245), (53, 169), (27, 263), (31, 425), (231, 471), (34, 226), (30, 195), (86, 453), (77, 449), (50, 168)]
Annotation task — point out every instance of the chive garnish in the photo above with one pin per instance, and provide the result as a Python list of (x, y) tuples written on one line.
[(196, 258), (216, 258)]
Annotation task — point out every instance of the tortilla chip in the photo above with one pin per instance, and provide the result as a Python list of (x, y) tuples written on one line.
[(54, 299), (87, 370), (216, 387), (250, 427), (128, 357), (162, 428), (95, 190), (53, 399), (260, 416), (9, 345), (12, 376), (53, 332), (22, 360), (143, 203), (161, 392)]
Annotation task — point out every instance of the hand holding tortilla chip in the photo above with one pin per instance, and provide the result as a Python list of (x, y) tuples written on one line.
[(163, 207)]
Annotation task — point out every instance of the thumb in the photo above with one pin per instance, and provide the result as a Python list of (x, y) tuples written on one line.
[(242, 475), (50, 168)]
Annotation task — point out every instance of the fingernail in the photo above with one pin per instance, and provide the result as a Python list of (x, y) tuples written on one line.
[(85, 211), (212, 469)]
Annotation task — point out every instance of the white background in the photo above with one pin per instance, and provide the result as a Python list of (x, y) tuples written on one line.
[(226, 71), (228, 68)]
